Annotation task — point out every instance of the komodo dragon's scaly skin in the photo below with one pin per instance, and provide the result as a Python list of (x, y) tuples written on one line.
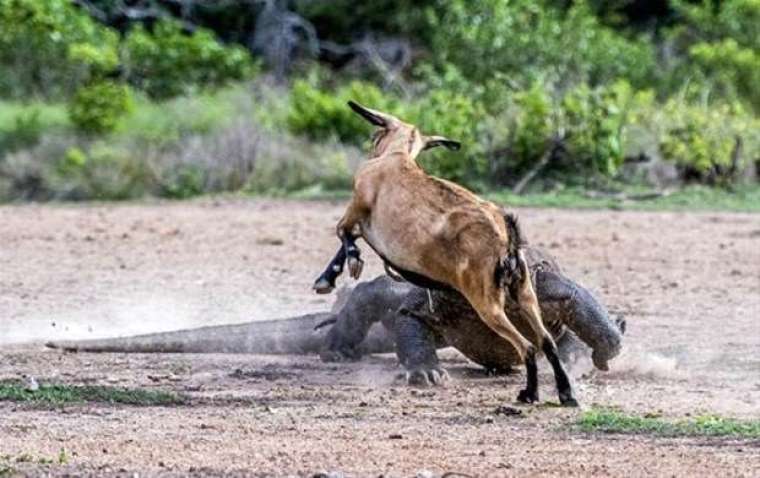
[(421, 321)]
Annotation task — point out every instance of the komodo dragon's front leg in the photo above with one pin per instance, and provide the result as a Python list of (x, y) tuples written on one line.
[(368, 303)]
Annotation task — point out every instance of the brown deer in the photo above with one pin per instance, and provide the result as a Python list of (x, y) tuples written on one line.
[(437, 234)]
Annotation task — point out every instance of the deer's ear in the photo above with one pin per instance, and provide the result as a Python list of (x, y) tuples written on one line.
[(435, 141), (377, 118)]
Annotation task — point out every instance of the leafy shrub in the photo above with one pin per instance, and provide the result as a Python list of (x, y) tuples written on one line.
[(703, 140), (50, 47), (323, 115), (460, 118), (169, 122), (290, 164), (101, 172), (183, 182), (719, 45), (25, 132), (167, 62), (734, 70), (97, 108), (587, 124), (594, 121), (533, 126), (528, 40)]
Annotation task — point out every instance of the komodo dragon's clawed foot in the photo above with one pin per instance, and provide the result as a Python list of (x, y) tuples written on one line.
[(340, 355), (427, 376)]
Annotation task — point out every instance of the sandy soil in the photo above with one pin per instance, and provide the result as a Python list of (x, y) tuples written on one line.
[(688, 285)]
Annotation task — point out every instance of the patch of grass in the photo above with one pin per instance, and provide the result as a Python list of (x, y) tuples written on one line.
[(6, 469), (612, 421), (690, 198), (7, 461), (73, 394)]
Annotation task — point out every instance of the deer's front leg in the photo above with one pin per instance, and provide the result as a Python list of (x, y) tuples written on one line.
[(325, 283), (347, 230)]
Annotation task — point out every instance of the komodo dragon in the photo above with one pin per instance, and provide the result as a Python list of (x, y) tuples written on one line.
[(383, 315)]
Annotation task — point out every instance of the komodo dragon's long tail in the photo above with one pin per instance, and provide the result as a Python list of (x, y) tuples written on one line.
[(296, 336)]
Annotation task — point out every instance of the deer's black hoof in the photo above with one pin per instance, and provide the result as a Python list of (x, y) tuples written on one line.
[(527, 396), (568, 401), (323, 286), (355, 267)]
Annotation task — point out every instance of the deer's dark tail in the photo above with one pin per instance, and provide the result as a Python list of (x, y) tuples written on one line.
[(508, 271)]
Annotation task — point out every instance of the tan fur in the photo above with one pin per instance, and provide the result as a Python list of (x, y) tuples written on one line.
[(435, 228)]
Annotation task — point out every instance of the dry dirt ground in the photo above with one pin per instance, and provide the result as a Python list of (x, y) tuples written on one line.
[(688, 285)]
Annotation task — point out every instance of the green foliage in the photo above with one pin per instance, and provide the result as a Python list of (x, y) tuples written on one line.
[(721, 46), (300, 166), (97, 108), (49, 47), (594, 122), (101, 172), (323, 115), (588, 123), (25, 132), (185, 181), (23, 125), (171, 121), (732, 69), (702, 139), (528, 40), (339, 20), (167, 62), (74, 394), (533, 124), (458, 117), (611, 421)]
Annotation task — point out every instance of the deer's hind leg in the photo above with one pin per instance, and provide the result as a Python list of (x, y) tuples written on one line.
[(528, 302), (490, 308)]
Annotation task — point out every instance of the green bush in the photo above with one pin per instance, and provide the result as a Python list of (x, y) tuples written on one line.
[(324, 115), (97, 108), (50, 47), (100, 172), (594, 121), (24, 133), (167, 62), (458, 117), (588, 124), (733, 70), (718, 45), (182, 182), (528, 40), (169, 122), (702, 139)]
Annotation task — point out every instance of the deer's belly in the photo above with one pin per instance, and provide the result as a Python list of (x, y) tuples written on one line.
[(408, 249)]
